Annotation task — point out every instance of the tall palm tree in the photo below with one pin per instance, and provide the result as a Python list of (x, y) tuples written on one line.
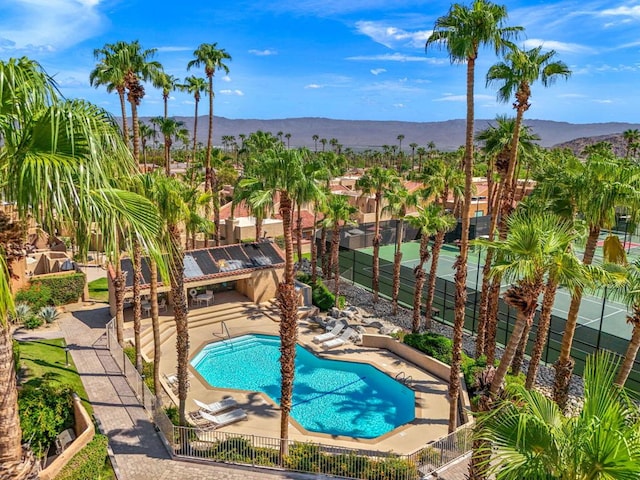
[(398, 201), (376, 182), (167, 83), (429, 220), (212, 58), (337, 213), (315, 139), (280, 172), (146, 134), (58, 159), (527, 436), (631, 136), (109, 73), (463, 31), (137, 66), (171, 130), (195, 86)]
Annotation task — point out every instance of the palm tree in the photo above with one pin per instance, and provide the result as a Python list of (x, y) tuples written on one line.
[(280, 172), (137, 67), (463, 31), (212, 58), (413, 146), (64, 154), (195, 86), (398, 200), (429, 220), (171, 130), (109, 73), (629, 292), (168, 83), (323, 141), (527, 435), (376, 182), (315, 138), (631, 136), (337, 213), (146, 133)]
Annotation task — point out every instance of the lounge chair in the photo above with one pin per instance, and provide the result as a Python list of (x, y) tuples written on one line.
[(223, 419), (217, 407), (341, 340), (323, 337)]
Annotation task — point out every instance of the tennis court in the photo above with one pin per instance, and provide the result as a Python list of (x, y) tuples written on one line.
[(595, 311)]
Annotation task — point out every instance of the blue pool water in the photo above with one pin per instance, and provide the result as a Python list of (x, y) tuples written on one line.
[(329, 396)]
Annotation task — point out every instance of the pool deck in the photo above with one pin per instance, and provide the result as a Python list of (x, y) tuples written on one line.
[(432, 405)]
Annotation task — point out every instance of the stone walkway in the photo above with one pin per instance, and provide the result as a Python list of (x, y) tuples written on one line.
[(138, 451)]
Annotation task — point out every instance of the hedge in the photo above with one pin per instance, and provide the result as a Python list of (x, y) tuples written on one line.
[(64, 288), (88, 462)]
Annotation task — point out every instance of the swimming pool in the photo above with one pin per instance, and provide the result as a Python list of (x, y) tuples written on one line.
[(329, 396)]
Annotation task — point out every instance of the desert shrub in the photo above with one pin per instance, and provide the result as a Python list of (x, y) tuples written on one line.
[(88, 462), (36, 296), (32, 322), (45, 411), (304, 277), (21, 312), (48, 314), (433, 344), (322, 296)]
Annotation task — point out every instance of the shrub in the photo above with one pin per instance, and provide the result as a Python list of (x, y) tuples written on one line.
[(32, 322), (322, 296), (45, 411), (147, 367), (88, 462), (21, 313), (64, 288), (36, 296), (433, 344), (172, 413)]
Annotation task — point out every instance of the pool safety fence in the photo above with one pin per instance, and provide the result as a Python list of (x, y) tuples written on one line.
[(192, 443), (588, 339)]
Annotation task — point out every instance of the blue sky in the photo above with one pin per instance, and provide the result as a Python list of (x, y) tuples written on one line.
[(343, 59)]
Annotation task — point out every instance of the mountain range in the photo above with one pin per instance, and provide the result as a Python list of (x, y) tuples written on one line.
[(365, 134)]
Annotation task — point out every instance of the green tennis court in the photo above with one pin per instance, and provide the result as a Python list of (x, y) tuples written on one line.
[(595, 312)]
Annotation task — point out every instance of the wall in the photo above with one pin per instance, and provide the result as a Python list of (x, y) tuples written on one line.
[(84, 430)]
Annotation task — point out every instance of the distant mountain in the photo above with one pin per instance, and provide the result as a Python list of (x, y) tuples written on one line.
[(363, 134)]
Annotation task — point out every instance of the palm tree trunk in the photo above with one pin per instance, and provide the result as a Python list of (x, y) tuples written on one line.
[(136, 131), (518, 358), (137, 304), (10, 431), (375, 281), (167, 156), (287, 301), (155, 323), (461, 261), (418, 271), (123, 109), (543, 330), (118, 288), (216, 207), (397, 262), (564, 365), (195, 132), (299, 232), (181, 318), (323, 252), (632, 351), (491, 331), (335, 243), (438, 241), (207, 165), (314, 248)]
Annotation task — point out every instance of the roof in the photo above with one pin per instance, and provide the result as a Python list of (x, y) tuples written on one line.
[(216, 262)]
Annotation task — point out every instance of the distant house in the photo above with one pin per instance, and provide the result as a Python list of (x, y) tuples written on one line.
[(252, 269)]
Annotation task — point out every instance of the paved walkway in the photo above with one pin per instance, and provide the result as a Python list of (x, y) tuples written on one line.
[(139, 453)]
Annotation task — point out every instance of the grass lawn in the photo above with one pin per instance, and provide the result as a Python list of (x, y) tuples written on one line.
[(46, 359), (98, 290)]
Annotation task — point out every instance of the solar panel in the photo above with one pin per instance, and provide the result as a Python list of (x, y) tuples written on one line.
[(191, 268), (206, 263)]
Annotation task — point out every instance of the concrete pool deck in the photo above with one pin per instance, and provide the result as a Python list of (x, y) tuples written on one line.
[(234, 315)]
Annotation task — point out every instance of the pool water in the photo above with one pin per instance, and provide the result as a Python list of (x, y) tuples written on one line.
[(329, 396)]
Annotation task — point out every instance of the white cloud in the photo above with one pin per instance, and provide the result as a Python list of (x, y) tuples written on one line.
[(622, 11), (226, 78), (392, 36), (399, 105), (263, 53), (557, 46), (395, 57), (313, 86), (377, 71), (605, 101), (174, 49), (238, 93), (48, 25)]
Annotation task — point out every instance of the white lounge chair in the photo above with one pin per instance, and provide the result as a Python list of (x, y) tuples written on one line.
[(323, 337), (223, 419), (341, 340), (217, 407)]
